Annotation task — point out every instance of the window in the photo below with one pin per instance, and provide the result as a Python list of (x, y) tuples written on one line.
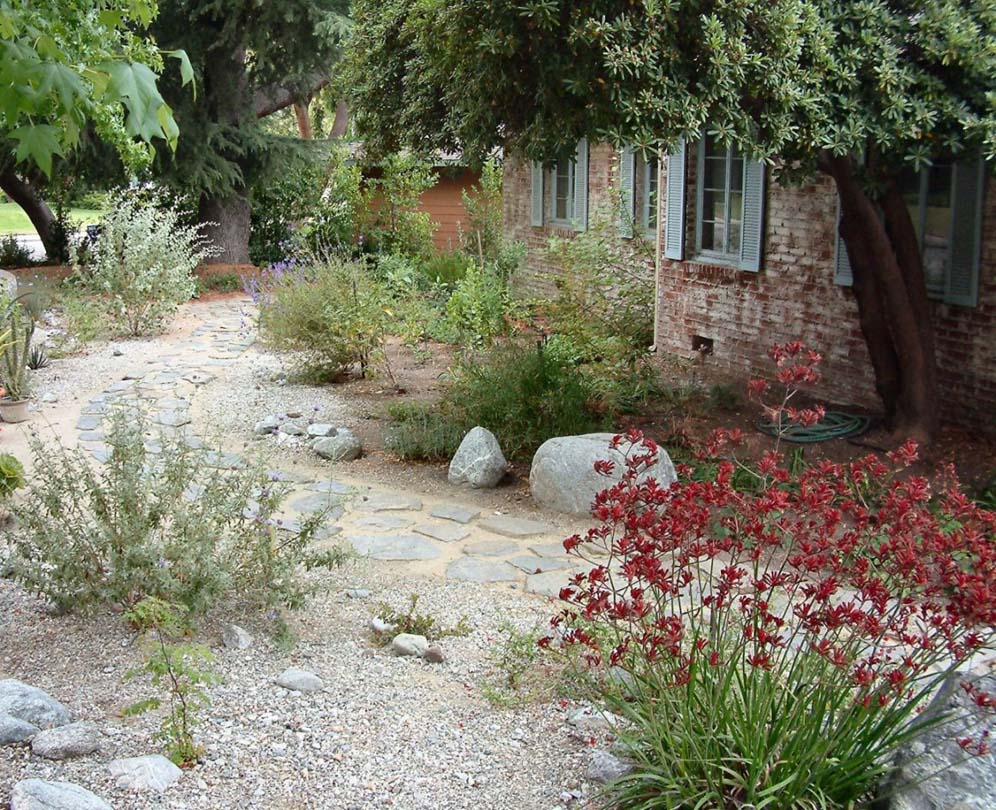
[(928, 197), (562, 184), (648, 204), (720, 212)]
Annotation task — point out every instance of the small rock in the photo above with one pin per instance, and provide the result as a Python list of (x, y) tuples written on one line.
[(266, 425), (358, 593), (587, 719), (291, 428), (31, 705), (300, 680), (478, 461), (152, 772), (38, 794), (13, 730), (66, 742), (117, 352), (320, 430), (380, 627), (49, 397), (409, 644), (434, 655), (605, 767), (235, 638), (343, 446)]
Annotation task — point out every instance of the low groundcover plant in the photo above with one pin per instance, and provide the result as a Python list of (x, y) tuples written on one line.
[(776, 647)]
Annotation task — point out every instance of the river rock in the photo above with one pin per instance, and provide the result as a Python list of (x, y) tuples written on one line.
[(152, 772), (563, 476), (409, 644), (66, 742), (300, 680), (31, 705), (344, 445), (39, 794), (478, 461), (13, 730)]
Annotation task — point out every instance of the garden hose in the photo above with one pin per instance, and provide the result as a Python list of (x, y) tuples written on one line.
[(834, 425)]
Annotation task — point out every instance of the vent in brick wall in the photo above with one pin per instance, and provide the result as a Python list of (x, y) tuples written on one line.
[(702, 345)]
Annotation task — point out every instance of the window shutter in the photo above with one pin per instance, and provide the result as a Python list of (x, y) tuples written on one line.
[(537, 201), (674, 207), (752, 240), (962, 283), (842, 274), (581, 186), (627, 189)]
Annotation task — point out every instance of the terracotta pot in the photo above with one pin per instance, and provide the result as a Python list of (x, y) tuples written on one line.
[(14, 410)]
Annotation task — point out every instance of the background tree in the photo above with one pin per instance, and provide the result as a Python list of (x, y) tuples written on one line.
[(250, 60), (858, 90)]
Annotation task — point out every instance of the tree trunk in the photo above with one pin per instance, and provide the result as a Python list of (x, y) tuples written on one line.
[(303, 121), (24, 194), (226, 222), (892, 302), (341, 122)]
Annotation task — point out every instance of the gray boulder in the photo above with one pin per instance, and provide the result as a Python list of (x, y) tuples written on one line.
[(478, 461), (320, 430), (31, 705), (409, 644), (935, 773), (563, 476), (13, 730), (8, 284), (343, 445), (66, 742), (300, 680), (605, 767), (266, 425), (38, 794), (235, 638), (153, 772)]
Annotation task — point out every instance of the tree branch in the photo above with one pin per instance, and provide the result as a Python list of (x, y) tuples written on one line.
[(271, 99)]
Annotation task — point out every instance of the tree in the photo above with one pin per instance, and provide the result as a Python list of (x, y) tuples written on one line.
[(250, 60), (69, 67), (858, 91)]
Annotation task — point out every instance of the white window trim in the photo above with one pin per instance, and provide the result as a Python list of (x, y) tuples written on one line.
[(716, 256)]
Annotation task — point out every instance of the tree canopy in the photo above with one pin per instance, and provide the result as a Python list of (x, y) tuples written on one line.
[(65, 64)]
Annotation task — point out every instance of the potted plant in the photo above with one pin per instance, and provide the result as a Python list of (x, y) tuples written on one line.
[(20, 328)]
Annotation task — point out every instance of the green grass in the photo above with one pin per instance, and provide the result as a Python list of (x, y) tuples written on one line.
[(14, 220)]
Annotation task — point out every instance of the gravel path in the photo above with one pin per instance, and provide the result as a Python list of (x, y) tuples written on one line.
[(385, 731)]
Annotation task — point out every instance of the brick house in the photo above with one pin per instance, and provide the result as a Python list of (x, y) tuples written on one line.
[(762, 262)]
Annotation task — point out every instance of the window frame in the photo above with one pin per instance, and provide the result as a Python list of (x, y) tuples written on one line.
[(936, 291), (710, 255), (649, 202), (552, 218)]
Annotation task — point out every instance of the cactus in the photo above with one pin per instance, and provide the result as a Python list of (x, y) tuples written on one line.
[(14, 355)]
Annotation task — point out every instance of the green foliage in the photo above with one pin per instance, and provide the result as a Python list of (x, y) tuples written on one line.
[(38, 358), (168, 526), (143, 262), (480, 305), (447, 269), (176, 669), (13, 253), (67, 64), (411, 621), (84, 316), (332, 314), (514, 658), (394, 224), (19, 328), (723, 397), (423, 431), (11, 475), (218, 282)]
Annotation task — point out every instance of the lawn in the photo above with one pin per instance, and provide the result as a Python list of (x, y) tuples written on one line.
[(14, 220)]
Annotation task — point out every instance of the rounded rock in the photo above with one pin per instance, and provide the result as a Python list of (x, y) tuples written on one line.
[(478, 461), (39, 794)]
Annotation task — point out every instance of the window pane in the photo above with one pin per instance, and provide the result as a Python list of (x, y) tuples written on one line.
[(733, 246), (937, 225), (714, 148), (651, 213), (562, 190), (709, 236), (737, 174), (715, 173), (714, 206)]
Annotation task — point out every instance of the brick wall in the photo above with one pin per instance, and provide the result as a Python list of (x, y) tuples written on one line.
[(794, 296)]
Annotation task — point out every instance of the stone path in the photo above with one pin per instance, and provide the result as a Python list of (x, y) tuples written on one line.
[(443, 537)]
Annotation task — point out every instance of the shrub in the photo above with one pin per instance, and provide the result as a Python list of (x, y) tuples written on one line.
[(18, 326), (779, 641), (11, 475), (218, 282), (143, 262), (447, 269), (479, 305), (424, 431), (332, 314), (392, 221), (13, 253), (167, 526), (411, 621)]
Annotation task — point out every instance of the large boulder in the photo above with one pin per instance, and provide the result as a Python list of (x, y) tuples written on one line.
[(38, 794), (31, 705), (342, 445), (478, 461), (8, 284), (563, 476)]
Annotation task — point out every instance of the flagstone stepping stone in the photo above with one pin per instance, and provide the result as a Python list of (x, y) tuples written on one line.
[(88, 423), (199, 377), (490, 548), (95, 408), (549, 549), (538, 565), (514, 527), (224, 461), (173, 403), (395, 547), (384, 523), (173, 418), (287, 477), (455, 512), (92, 436), (39, 794), (472, 569), (318, 502), (331, 486), (389, 502), (547, 584), (120, 385), (448, 533), (101, 453)]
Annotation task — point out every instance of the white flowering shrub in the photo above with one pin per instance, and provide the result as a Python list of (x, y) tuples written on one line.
[(143, 261)]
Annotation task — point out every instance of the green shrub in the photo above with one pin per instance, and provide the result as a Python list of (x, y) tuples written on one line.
[(13, 253), (218, 282), (85, 318), (447, 269), (167, 526), (424, 431), (393, 222), (143, 262), (480, 306), (11, 475), (332, 314), (411, 621)]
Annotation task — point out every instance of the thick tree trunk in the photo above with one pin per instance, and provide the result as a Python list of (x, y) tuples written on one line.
[(341, 122), (892, 302), (227, 223), (24, 194), (303, 121)]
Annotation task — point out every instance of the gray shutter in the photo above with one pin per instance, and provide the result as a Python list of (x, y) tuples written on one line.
[(752, 240), (537, 201), (962, 283), (674, 208), (581, 186), (627, 191), (842, 274)]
